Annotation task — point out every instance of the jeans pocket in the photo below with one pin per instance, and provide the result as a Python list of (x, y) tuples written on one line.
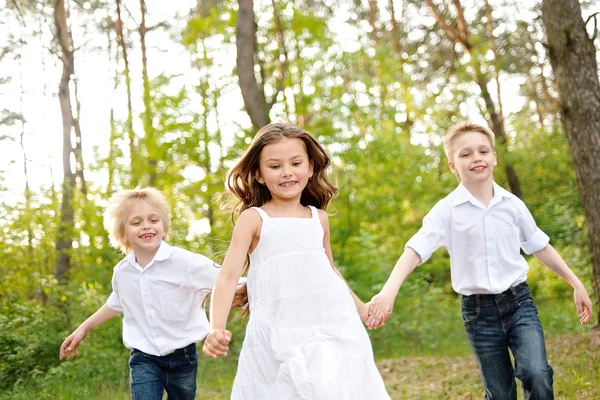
[(191, 357), (470, 314), (525, 299)]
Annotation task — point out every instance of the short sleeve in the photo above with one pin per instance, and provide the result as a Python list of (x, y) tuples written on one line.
[(203, 272), (114, 302), (532, 238), (434, 232)]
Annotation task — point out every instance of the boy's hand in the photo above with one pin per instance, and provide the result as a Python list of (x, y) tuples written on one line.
[(216, 343), (380, 309), (68, 348), (584, 305)]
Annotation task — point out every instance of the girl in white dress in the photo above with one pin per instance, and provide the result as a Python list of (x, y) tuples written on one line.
[(304, 338)]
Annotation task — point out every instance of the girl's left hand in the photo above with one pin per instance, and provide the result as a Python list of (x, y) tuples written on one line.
[(363, 311)]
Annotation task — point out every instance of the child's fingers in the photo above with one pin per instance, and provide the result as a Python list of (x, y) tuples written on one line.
[(65, 349), (586, 315), (214, 349), (372, 306)]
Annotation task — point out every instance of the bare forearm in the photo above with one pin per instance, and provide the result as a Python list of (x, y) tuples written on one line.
[(550, 257), (406, 264), (357, 302), (103, 314), (221, 300)]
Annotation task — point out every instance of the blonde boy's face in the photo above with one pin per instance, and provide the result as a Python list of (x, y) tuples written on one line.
[(144, 228), (472, 158)]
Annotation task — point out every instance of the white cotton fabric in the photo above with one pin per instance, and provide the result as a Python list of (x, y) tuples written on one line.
[(484, 242), (304, 338), (162, 304)]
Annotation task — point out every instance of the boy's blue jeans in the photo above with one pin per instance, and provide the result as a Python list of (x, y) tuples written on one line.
[(498, 322), (175, 373)]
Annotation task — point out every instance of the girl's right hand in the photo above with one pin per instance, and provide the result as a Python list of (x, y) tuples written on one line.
[(216, 343), (380, 309)]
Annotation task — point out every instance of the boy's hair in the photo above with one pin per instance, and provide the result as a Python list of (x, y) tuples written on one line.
[(461, 129), (119, 206), (242, 182)]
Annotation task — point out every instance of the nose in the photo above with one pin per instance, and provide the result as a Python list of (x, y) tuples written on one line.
[(286, 171)]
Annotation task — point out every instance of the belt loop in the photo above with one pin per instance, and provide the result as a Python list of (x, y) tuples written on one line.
[(514, 291), (477, 300)]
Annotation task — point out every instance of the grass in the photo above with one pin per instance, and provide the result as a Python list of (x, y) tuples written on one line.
[(423, 353)]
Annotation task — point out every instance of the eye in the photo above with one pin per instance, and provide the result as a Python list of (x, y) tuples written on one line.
[(135, 223), (464, 155), (274, 166), (155, 220), (296, 163), (484, 151)]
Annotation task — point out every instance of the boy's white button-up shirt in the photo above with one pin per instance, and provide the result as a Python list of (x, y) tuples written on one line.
[(484, 242), (162, 303)]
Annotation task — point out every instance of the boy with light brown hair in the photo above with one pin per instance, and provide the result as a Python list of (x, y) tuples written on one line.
[(160, 290), (484, 227)]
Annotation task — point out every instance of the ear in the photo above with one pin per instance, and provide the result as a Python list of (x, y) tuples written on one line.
[(452, 167), (259, 178), (311, 167)]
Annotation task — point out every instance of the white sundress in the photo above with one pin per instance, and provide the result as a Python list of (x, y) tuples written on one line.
[(304, 338)]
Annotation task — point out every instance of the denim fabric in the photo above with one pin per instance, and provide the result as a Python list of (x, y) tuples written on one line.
[(175, 373), (497, 323)]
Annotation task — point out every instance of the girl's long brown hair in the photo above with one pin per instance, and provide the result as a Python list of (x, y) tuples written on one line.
[(248, 192)]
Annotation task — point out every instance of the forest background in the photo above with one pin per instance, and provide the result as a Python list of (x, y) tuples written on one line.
[(96, 96)]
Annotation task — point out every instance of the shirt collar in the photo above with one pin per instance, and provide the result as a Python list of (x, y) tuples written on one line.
[(164, 252), (461, 195)]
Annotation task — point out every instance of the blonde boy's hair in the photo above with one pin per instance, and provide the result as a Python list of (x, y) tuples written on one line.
[(461, 129), (119, 206)]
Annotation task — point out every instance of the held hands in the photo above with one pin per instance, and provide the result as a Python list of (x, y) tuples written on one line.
[(68, 348), (380, 309), (216, 343), (584, 305)]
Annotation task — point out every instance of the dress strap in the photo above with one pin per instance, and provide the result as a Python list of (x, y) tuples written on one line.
[(314, 211), (262, 213)]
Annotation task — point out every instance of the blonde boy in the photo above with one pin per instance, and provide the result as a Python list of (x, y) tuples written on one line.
[(160, 290), (484, 227)]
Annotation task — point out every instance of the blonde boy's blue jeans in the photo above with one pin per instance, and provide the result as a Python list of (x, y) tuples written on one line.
[(496, 323), (174, 373)]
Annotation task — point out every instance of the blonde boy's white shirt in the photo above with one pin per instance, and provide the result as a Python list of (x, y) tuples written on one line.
[(484, 242), (162, 303)]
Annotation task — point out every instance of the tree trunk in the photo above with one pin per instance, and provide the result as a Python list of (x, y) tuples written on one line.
[(65, 231), (494, 116), (130, 131), (254, 96), (573, 58), (149, 133)]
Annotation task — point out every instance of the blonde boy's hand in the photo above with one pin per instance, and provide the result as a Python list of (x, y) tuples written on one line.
[(68, 348), (584, 305), (216, 343), (380, 309)]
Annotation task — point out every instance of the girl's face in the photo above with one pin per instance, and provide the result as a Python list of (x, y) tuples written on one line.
[(285, 168)]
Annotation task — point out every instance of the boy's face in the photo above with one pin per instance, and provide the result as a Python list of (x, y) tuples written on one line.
[(144, 228), (472, 158)]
